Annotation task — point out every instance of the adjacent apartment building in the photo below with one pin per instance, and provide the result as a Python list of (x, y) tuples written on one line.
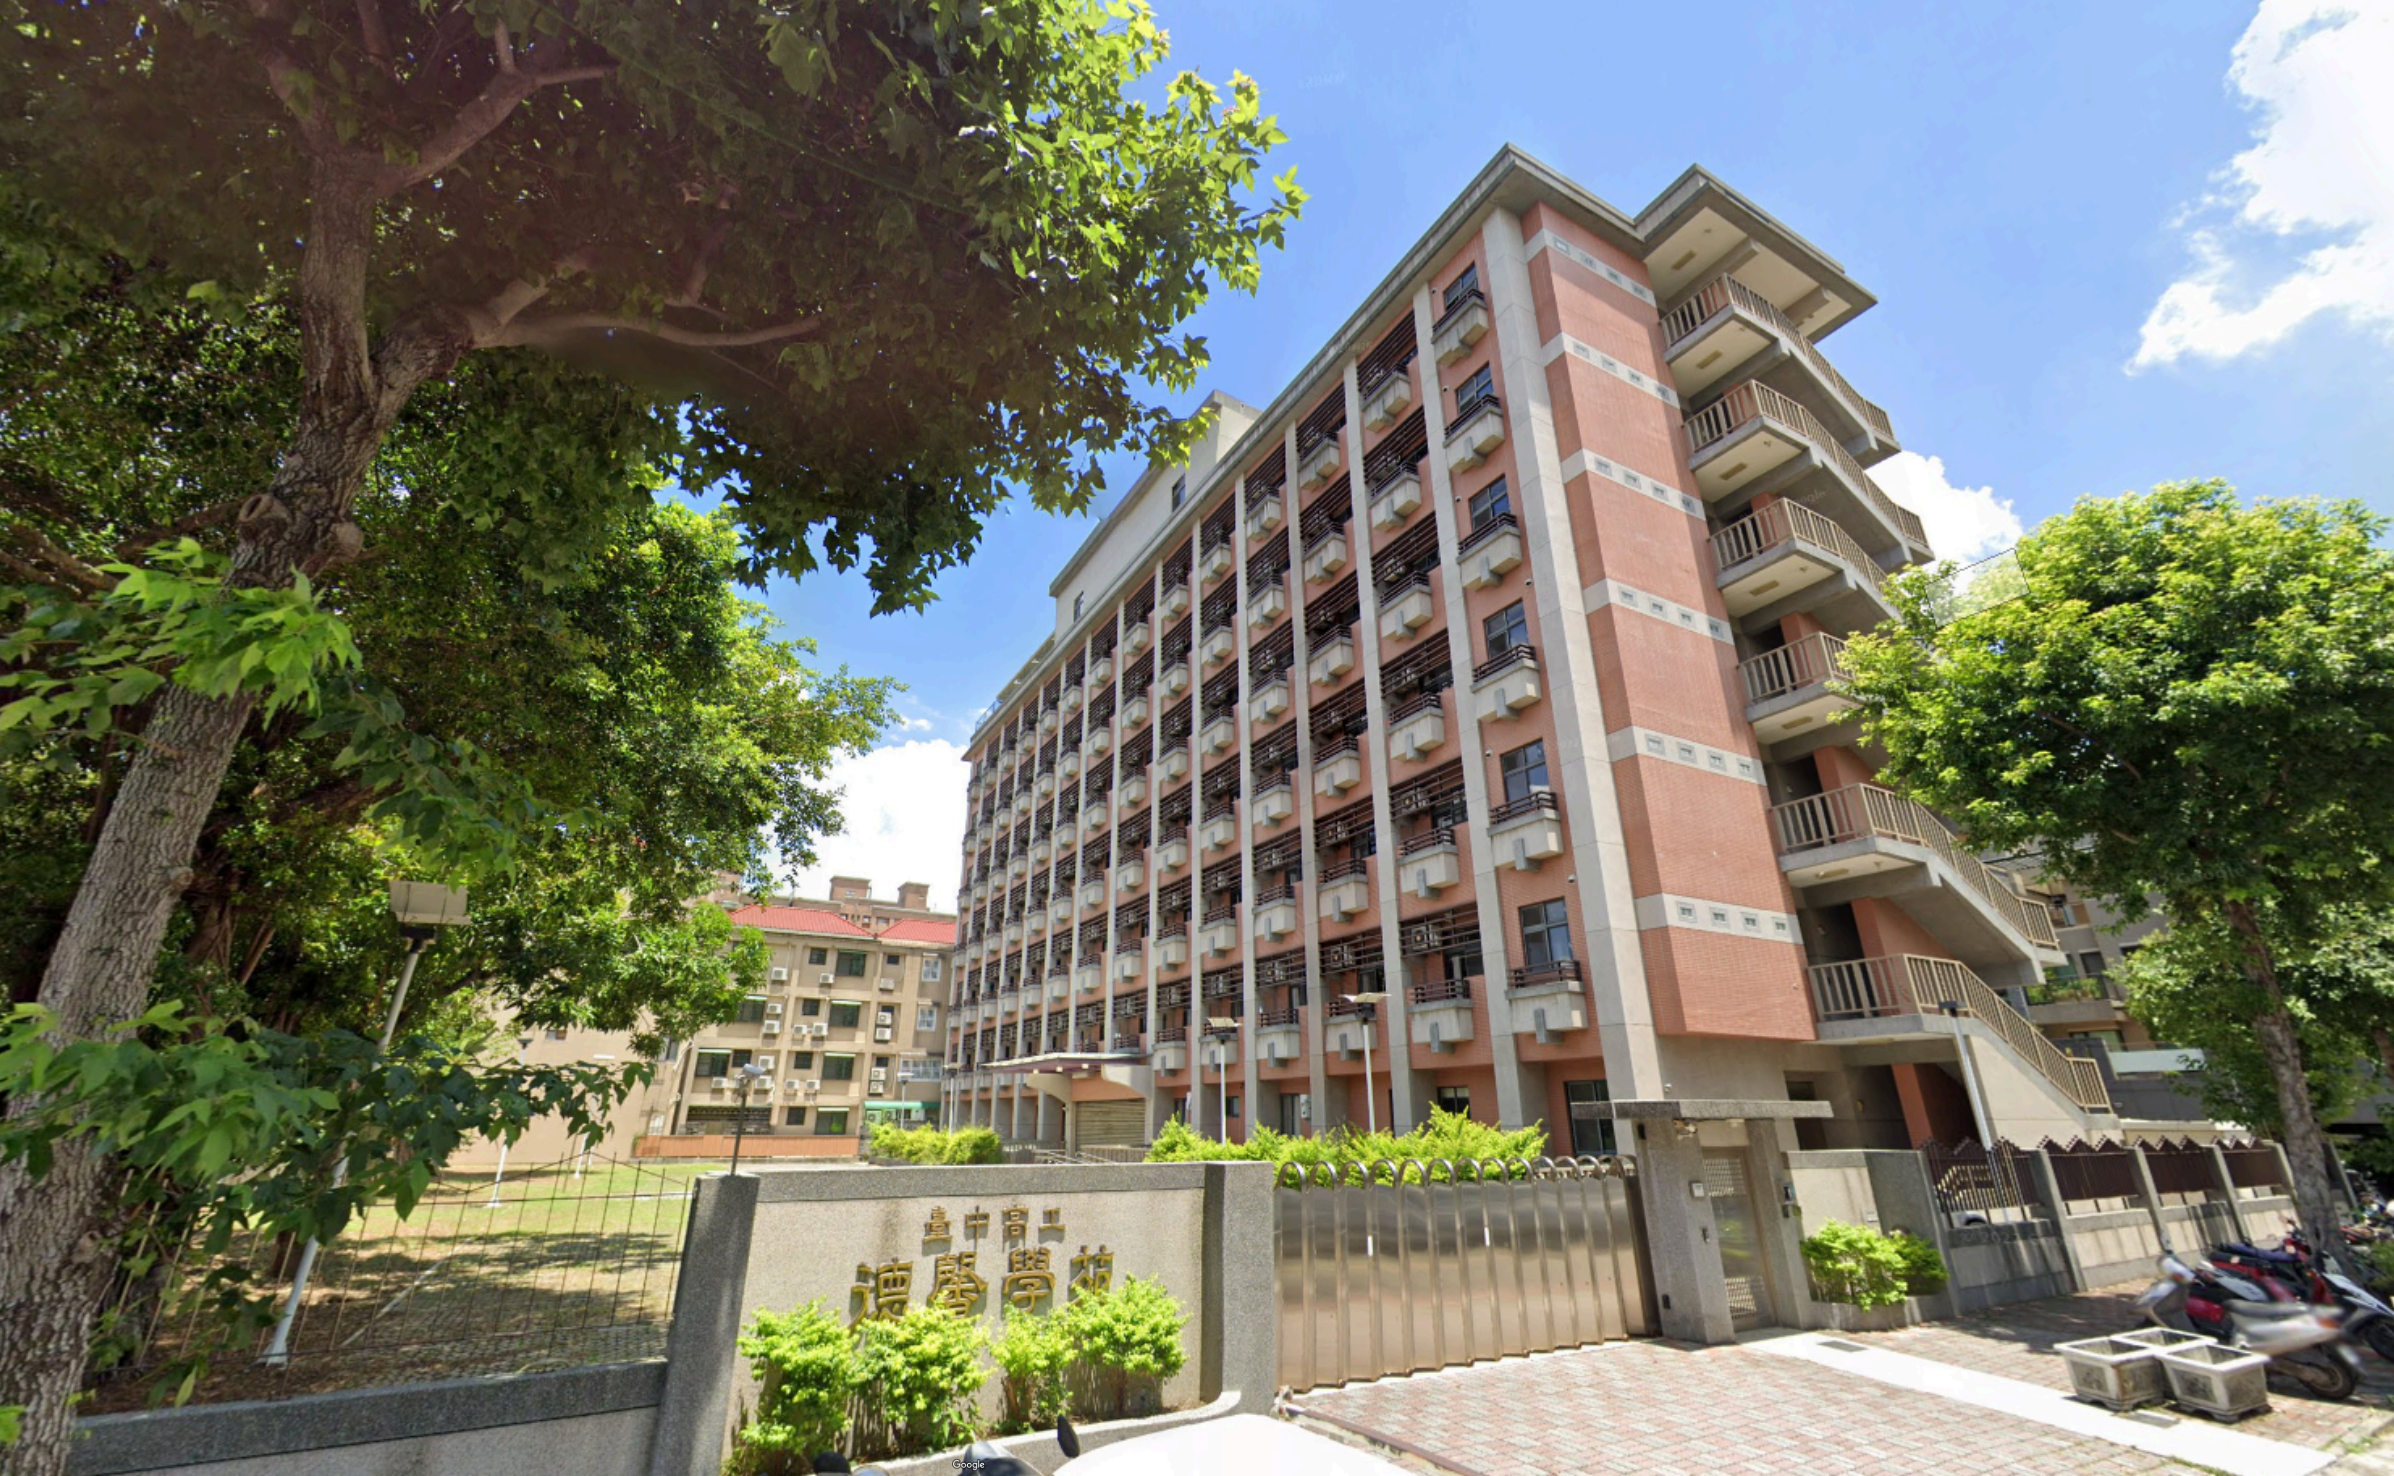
[(1463, 717)]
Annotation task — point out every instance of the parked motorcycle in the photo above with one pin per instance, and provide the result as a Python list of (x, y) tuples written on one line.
[(2302, 1341), (2368, 1317)]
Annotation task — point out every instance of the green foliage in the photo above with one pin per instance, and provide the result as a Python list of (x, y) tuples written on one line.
[(2377, 1259), (1448, 1136), (808, 1371), (1924, 1273), (931, 1145), (1130, 1334), (1856, 1265), (1034, 1352), (921, 1374)]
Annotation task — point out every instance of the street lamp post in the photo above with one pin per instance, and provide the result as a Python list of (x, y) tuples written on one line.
[(748, 1078), (421, 909), (1219, 1026), (523, 1043), (1367, 1009)]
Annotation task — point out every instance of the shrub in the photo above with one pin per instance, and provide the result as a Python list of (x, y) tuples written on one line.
[(1447, 1135), (932, 1146), (921, 1376), (1129, 1333), (1856, 1265), (1924, 1271), (807, 1374), (1034, 1352)]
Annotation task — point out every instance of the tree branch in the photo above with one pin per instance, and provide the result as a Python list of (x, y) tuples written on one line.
[(539, 332), (41, 553), (206, 517), (478, 119)]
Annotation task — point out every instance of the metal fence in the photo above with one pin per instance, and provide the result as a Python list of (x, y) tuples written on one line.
[(541, 1267), (1399, 1268), (1991, 1184), (2095, 1176), (2254, 1166)]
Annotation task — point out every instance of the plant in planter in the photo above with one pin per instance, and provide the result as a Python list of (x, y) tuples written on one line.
[(1856, 1265), (1127, 1337), (920, 1378), (1924, 1273), (807, 1374), (1034, 1353)]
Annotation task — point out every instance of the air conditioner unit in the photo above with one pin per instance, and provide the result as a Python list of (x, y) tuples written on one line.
[(778, 975), (876, 1089), (765, 1063), (773, 1007), (793, 1084), (814, 1084), (722, 1083), (773, 1027), (880, 1073), (888, 985), (881, 1033), (825, 979)]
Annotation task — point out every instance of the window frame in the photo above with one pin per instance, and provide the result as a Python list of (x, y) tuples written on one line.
[(1513, 620), (1538, 938), (840, 968), (829, 1073), (1489, 503), (1507, 771), (853, 1017), (831, 1122)]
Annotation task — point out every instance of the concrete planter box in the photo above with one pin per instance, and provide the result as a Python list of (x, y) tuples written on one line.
[(1134, 712), (1320, 464), (1176, 764), (1331, 662), (1059, 912), (1175, 602), (1217, 647), (1273, 806), (2224, 1383), (1394, 503), (1135, 638), (1175, 679), (1391, 398), (1174, 853), (1134, 790), (1486, 563), (1263, 518), (1218, 831), (1269, 702), (2118, 1373), (1326, 558), (1101, 671), (1405, 614), (1216, 562), (1276, 919), (1459, 330), (1337, 775), (1266, 605), (1172, 952), (1472, 439)]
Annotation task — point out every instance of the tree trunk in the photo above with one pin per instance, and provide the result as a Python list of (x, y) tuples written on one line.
[(2306, 1146)]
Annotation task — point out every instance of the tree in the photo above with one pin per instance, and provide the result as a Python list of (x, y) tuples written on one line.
[(886, 260), (2189, 701)]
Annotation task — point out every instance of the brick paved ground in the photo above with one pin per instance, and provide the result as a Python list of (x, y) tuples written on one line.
[(1663, 1409)]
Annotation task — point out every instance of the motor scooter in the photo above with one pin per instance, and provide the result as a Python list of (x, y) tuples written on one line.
[(1235, 1445), (2303, 1341), (2368, 1318)]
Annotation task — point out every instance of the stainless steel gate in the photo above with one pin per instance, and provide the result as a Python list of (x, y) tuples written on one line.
[(1397, 1268)]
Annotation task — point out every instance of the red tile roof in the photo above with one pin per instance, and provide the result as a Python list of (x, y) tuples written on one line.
[(816, 920), (920, 930)]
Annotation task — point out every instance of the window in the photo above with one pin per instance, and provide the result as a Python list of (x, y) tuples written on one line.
[(1077, 601), (930, 968), (818, 956), (712, 1063), (1490, 502), (838, 1067), (2090, 966), (1465, 964), (1507, 628), (1232, 1107), (1454, 1099), (1180, 492), (893, 960), (1545, 934), (1466, 283), (810, 1007), (846, 1013), (927, 1018), (852, 965), (802, 1060), (831, 1122), (555, 1032), (793, 1117), (752, 1009), (1524, 770), (1480, 386), (881, 1064), (1590, 1105)]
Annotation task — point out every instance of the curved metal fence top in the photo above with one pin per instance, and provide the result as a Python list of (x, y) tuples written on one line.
[(1364, 1174)]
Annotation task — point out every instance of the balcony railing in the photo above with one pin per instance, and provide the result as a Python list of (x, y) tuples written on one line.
[(1340, 870), (1416, 705), (1428, 840), (1861, 811), (1268, 1018), (1910, 984), (1782, 522), (1723, 292), (1529, 804), (1793, 667), (1486, 530), (1441, 991), (1129, 1042), (1505, 660), (1171, 1034), (1468, 409), (1746, 401), (1562, 970)]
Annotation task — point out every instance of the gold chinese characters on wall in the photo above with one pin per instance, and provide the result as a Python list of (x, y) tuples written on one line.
[(1028, 1282)]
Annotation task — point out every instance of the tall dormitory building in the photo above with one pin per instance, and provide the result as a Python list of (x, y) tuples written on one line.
[(1487, 667)]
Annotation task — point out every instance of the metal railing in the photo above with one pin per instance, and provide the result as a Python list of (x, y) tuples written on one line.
[(1724, 292), (1562, 970), (1865, 810), (1440, 991), (1912, 984), (1467, 412), (1428, 840), (1487, 529), (1505, 660), (1749, 400), (1534, 802), (1794, 666), (1269, 1018)]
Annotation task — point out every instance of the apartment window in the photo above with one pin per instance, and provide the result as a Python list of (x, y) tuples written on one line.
[(846, 1014), (752, 1010), (1180, 492), (818, 956), (1507, 628), (1454, 1099), (852, 965), (1590, 1106), (1523, 770), (802, 1060), (893, 960), (838, 1067), (927, 1018), (2090, 966), (831, 1122), (1545, 934), (1077, 601), (810, 1007), (555, 1032), (712, 1063), (930, 968), (1466, 283), (881, 1063), (1480, 386), (1233, 1107), (793, 1117), (1490, 502), (1465, 964)]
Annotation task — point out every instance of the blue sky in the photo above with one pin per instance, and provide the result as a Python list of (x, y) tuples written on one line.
[(2113, 244)]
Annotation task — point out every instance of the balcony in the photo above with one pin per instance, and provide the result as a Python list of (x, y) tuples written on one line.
[(1279, 1036), (1068, 766), (1136, 637), (1047, 722), (1385, 403), (1547, 999), (1788, 691), (1009, 1001), (1129, 1042), (1059, 912), (1325, 556), (1755, 437), (1022, 803), (1440, 1013), (1864, 841), (1171, 1051), (1273, 805), (1216, 561), (1396, 500), (1318, 464), (1784, 559), (1130, 875), (1130, 962), (1173, 853), (1334, 660), (1276, 913), (1416, 726), (1172, 951), (1264, 517), (1270, 701), (1266, 605), (1018, 866), (1526, 831), (1175, 764), (1887, 999), (1094, 816), (1088, 978), (1066, 831), (1101, 671), (1505, 683), (1727, 323), (1073, 696), (1478, 430), (1093, 894), (1344, 890), (1175, 680), (1133, 791), (1059, 987), (1491, 551), (1046, 786), (1406, 608), (1219, 735), (1217, 646), (1220, 828), (1220, 933), (1430, 863), (1337, 767), (1135, 713), (1462, 325)]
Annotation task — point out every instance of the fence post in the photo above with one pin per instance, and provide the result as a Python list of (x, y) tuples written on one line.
[(701, 1348), (2049, 1189), (1238, 1335), (2151, 1195), (2227, 1188)]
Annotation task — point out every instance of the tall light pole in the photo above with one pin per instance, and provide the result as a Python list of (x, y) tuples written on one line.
[(1367, 1009), (1221, 1027), (748, 1078), (523, 1044), (422, 910)]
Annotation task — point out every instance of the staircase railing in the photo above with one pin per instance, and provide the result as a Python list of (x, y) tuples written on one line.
[(1859, 810), (1912, 984)]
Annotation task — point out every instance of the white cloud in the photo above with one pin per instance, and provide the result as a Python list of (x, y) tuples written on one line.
[(1963, 523), (904, 807), (2320, 174)]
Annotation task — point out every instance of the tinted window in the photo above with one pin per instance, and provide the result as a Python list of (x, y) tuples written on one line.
[(1507, 628), (1545, 934), (1491, 501), (852, 964), (839, 1068), (1524, 770), (1481, 386), (1466, 282)]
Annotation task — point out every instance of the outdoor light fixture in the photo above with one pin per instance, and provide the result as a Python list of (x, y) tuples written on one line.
[(1367, 1009), (749, 1075), (1223, 1026)]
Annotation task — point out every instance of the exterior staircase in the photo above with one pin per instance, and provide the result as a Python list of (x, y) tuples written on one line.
[(1872, 998)]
